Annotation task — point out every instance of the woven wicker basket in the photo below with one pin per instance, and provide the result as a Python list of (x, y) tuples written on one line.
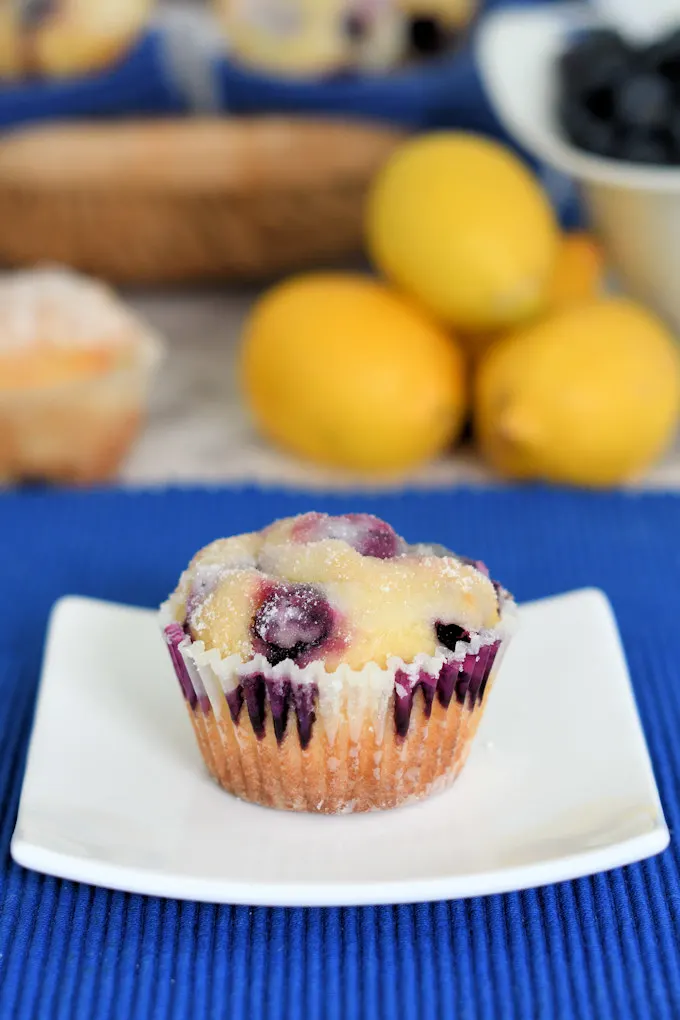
[(163, 201)]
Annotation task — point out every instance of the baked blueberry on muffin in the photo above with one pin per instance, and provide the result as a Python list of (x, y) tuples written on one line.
[(329, 666)]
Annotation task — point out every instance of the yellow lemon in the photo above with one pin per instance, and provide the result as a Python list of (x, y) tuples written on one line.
[(458, 222), (578, 275), (578, 272), (587, 396), (340, 369)]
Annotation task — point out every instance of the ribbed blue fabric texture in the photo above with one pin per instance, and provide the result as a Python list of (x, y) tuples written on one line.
[(601, 947)]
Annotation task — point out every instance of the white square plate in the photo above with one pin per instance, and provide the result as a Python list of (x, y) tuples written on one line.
[(559, 783)]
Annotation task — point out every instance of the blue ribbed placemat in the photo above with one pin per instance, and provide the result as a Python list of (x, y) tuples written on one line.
[(601, 947)]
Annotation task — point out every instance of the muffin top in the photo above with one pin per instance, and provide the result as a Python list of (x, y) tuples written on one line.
[(333, 589), (57, 326)]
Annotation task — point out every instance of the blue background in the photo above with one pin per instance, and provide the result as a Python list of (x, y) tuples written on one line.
[(607, 946)]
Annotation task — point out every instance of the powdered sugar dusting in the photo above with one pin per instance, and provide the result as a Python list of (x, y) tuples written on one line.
[(55, 307), (292, 614), (339, 590)]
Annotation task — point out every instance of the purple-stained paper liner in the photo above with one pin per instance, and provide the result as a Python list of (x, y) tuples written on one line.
[(253, 693)]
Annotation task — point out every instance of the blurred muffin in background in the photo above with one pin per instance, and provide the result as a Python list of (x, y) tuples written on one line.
[(377, 34), (59, 38), (75, 366), (314, 37)]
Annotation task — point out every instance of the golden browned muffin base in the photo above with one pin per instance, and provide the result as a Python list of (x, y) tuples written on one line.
[(65, 444), (345, 775)]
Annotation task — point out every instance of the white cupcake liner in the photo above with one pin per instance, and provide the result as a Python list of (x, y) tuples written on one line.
[(208, 679)]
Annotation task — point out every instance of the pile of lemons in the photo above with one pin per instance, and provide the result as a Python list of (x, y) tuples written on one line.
[(488, 310)]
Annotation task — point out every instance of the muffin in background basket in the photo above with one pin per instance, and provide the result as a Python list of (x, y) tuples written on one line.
[(75, 366), (58, 38), (328, 666), (298, 38)]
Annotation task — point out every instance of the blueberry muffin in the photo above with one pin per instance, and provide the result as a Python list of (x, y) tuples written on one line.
[(329, 666), (61, 38), (299, 38)]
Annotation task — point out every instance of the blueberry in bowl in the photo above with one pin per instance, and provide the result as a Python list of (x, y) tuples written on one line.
[(620, 100), (328, 665), (593, 116)]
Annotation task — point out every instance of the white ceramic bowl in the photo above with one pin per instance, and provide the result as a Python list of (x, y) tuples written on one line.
[(635, 209), (640, 20)]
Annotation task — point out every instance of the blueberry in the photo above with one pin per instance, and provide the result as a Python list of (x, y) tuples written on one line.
[(428, 36), (674, 138), (646, 147), (374, 537), (663, 57), (598, 60), (644, 100), (600, 102), (449, 634), (293, 619), (586, 130), (367, 534)]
